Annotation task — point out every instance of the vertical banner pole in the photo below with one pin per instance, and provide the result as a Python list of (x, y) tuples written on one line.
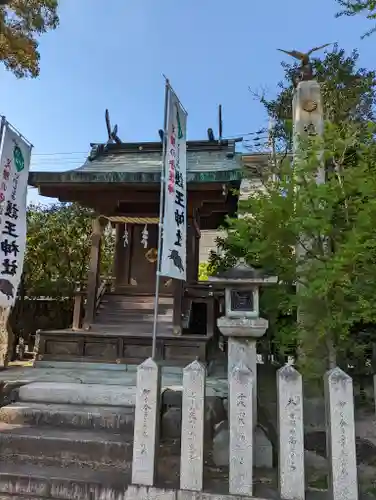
[(160, 225), (4, 312), (2, 128)]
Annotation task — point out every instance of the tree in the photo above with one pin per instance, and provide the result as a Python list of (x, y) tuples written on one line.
[(58, 250), (21, 23), (338, 278), (355, 7), (290, 207)]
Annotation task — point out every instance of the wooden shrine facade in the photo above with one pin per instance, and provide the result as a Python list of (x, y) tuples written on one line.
[(121, 183)]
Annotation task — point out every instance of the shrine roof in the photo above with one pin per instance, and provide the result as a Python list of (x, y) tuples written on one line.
[(207, 161)]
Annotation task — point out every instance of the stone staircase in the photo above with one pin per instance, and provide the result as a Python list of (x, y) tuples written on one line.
[(133, 314), (66, 440)]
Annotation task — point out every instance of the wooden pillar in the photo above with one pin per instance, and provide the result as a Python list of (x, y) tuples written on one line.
[(128, 255), (94, 269), (193, 249), (178, 306), (197, 245), (190, 249), (118, 257)]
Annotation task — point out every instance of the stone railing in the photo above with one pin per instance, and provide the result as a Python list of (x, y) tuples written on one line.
[(340, 429)]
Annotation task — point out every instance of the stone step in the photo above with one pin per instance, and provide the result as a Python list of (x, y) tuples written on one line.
[(136, 308), (171, 376), (131, 320), (28, 481), (78, 394), (133, 311), (139, 299), (59, 446), (77, 365), (142, 304), (90, 376), (83, 369), (69, 416)]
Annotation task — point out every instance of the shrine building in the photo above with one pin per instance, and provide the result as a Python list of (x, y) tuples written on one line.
[(113, 321)]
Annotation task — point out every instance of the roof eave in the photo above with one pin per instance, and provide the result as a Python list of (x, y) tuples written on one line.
[(38, 179)]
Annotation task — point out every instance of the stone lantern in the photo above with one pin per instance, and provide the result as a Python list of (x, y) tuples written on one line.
[(242, 323)]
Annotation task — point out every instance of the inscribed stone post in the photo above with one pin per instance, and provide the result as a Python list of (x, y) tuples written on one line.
[(339, 405), (192, 430), (241, 430), (307, 111), (146, 424), (308, 117), (243, 350), (291, 434)]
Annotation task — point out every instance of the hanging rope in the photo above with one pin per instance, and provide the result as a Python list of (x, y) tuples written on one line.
[(133, 220)]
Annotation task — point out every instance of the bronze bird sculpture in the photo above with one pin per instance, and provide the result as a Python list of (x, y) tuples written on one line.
[(306, 71)]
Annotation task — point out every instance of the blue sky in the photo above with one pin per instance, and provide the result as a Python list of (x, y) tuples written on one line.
[(212, 52)]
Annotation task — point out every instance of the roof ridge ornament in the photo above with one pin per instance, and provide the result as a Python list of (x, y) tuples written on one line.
[(112, 133)]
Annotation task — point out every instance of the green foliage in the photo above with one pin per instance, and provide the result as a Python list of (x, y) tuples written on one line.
[(58, 250), (203, 271), (355, 7), (338, 265), (21, 23)]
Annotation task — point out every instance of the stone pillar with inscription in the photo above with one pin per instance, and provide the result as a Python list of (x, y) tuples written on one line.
[(308, 121), (241, 430), (146, 423), (242, 324), (340, 421), (192, 429), (308, 118), (290, 433)]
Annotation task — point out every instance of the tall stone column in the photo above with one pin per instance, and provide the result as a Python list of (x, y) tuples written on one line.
[(308, 120)]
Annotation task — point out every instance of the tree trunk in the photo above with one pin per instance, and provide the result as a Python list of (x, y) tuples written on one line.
[(332, 355), (6, 337)]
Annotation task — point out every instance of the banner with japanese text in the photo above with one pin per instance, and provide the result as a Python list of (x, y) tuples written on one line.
[(14, 172), (174, 251)]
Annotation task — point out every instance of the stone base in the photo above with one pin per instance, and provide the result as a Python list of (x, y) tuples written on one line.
[(243, 327), (101, 347), (263, 447)]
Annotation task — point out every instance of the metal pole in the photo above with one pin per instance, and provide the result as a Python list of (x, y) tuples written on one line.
[(160, 225), (2, 128), (19, 133)]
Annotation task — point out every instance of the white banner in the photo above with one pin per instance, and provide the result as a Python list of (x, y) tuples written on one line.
[(174, 248), (14, 172)]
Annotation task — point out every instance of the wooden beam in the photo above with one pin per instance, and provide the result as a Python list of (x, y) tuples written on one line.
[(197, 228), (125, 193), (94, 270), (119, 249)]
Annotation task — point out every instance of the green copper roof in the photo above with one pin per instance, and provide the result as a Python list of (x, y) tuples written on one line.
[(74, 177), (123, 166)]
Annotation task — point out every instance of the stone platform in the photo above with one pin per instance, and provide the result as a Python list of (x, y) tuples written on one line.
[(103, 374), (66, 429)]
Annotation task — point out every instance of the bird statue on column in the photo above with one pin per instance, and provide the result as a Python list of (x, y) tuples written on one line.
[(306, 69)]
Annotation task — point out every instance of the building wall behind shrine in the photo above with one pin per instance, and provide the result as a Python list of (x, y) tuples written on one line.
[(207, 243)]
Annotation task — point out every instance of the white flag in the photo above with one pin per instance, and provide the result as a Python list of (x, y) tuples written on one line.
[(174, 250), (14, 173)]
